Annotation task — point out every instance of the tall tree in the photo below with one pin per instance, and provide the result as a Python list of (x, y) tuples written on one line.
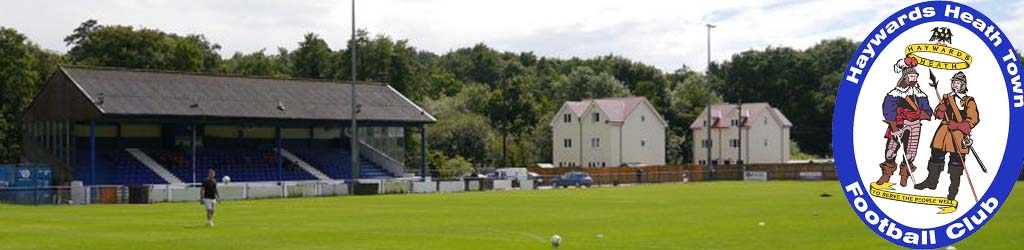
[(689, 99), (124, 46), (512, 110), (258, 64), (381, 59), (479, 64), (23, 68), (313, 59), (802, 84), (584, 83)]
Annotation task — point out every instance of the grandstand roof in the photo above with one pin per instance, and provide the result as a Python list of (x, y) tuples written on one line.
[(134, 93)]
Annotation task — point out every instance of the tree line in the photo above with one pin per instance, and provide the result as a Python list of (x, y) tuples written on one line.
[(493, 107)]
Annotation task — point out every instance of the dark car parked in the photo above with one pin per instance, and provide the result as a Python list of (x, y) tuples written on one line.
[(572, 179)]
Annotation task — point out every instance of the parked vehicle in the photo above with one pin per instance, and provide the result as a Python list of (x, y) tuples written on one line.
[(574, 178)]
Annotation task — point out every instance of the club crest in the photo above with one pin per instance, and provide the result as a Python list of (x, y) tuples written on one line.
[(922, 125)]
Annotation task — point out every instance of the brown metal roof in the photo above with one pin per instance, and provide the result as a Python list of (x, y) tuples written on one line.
[(121, 92)]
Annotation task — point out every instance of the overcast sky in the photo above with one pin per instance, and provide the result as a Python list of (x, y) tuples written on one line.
[(667, 34)]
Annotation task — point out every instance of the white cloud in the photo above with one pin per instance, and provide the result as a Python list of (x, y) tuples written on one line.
[(667, 34)]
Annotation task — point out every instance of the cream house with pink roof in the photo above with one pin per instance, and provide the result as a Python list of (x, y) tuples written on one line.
[(608, 132), (762, 133)]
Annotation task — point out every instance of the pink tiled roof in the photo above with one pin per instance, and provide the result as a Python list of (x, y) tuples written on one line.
[(728, 110), (617, 109)]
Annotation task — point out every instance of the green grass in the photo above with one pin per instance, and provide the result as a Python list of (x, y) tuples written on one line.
[(721, 215)]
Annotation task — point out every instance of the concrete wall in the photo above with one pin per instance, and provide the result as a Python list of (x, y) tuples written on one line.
[(332, 189), (302, 190), (231, 192), (451, 186), (183, 194), (525, 184), (396, 187), (473, 185), (158, 193), (242, 191), (503, 184), (259, 191), (424, 187)]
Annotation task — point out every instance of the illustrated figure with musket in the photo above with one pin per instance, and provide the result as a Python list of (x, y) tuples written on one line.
[(959, 114), (904, 108)]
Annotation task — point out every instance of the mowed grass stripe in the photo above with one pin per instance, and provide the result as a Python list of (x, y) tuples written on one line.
[(721, 215)]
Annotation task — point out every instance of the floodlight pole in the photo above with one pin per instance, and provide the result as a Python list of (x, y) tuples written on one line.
[(354, 138), (707, 163)]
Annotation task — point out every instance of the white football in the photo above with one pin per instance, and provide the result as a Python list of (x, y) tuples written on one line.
[(556, 240), (226, 179)]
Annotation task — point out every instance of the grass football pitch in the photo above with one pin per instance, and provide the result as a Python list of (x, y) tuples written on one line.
[(721, 215)]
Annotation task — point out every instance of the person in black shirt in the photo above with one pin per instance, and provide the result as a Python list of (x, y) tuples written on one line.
[(208, 194)]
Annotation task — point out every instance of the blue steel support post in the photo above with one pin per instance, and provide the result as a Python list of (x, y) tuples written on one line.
[(280, 172), (192, 157), (423, 152), (92, 152)]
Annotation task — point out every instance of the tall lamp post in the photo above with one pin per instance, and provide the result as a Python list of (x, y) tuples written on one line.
[(707, 163), (353, 139)]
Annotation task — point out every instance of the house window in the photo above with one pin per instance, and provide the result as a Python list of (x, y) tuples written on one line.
[(602, 164), (706, 143), (597, 117), (643, 142), (734, 143), (643, 118), (567, 143), (595, 142), (735, 123), (567, 118), (765, 142), (766, 121)]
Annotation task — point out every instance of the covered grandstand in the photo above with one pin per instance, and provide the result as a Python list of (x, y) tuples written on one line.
[(129, 127)]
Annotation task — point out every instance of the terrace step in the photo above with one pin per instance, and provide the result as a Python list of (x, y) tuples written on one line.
[(154, 166), (305, 166)]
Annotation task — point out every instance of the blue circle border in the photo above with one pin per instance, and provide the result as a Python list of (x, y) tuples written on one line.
[(846, 103)]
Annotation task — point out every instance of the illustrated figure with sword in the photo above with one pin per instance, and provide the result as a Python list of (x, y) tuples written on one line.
[(904, 107), (959, 114)]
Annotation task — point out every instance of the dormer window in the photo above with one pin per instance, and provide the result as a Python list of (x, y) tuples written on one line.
[(597, 117), (567, 118)]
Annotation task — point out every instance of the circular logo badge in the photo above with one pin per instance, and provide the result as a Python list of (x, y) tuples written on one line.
[(922, 125)]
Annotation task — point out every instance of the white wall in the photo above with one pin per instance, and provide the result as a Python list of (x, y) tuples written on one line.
[(560, 130), (643, 125), (766, 141), (607, 151), (618, 143)]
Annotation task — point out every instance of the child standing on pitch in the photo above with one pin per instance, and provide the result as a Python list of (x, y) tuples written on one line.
[(208, 194)]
